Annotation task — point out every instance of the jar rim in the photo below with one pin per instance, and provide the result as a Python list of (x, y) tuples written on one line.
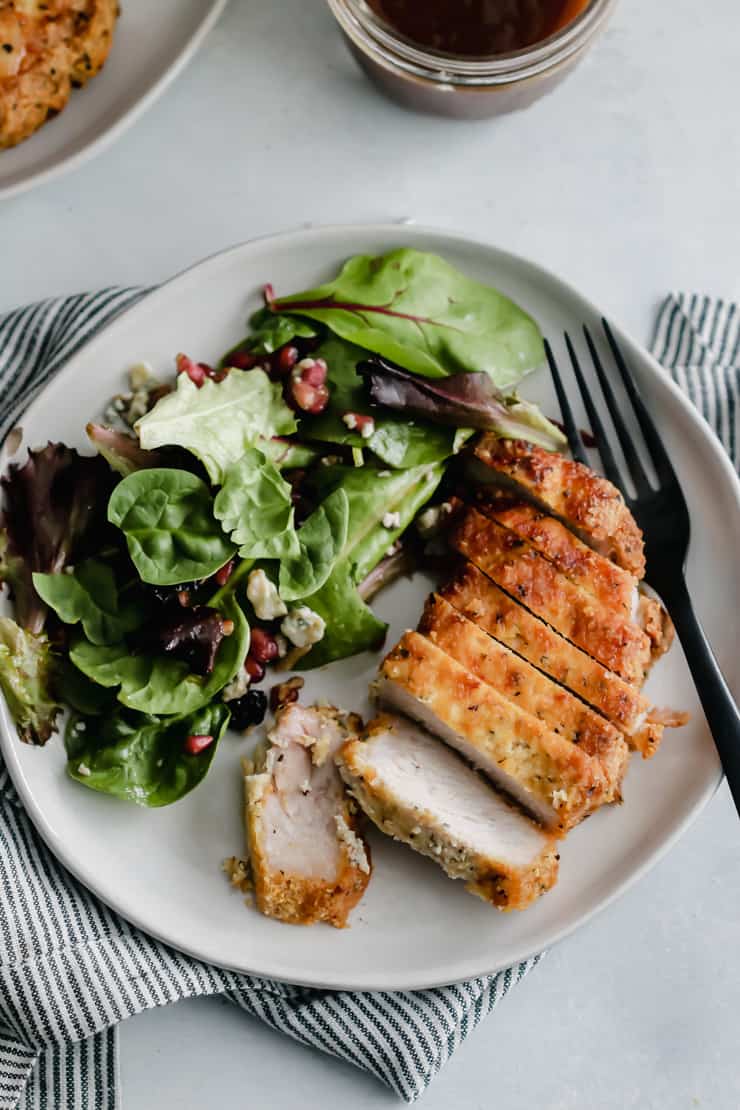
[(373, 35)]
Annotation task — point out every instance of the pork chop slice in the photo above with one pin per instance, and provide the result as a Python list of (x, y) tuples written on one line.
[(616, 642), (488, 606), (584, 501), (308, 858), (419, 792), (547, 774), (527, 687)]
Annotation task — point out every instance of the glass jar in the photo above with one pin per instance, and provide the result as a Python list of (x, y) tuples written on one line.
[(464, 87)]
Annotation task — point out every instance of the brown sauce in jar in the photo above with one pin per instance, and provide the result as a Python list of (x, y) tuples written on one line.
[(477, 28)]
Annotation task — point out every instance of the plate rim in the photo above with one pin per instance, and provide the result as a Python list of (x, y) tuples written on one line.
[(67, 164), (416, 981)]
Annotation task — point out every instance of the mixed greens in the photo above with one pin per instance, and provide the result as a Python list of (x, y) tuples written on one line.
[(241, 516)]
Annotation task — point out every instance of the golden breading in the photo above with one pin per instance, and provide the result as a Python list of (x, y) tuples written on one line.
[(482, 602), (418, 791), (46, 47), (527, 687), (584, 501), (610, 584), (535, 582), (550, 776)]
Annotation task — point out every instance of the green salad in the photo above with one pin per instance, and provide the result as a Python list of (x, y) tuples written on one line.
[(239, 517)]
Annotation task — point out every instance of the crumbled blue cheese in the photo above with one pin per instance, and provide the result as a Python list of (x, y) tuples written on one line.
[(238, 686), (350, 420), (303, 627), (264, 597), (391, 520), (83, 769), (141, 376), (367, 431)]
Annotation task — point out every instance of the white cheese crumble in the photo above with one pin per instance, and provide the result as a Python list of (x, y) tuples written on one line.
[(140, 376), (282, 646), (391, 520), (238, 686), (355, 848), (350, 420), (368, 429), (264, 597), (84, 770), (303, 627), (384, 473)]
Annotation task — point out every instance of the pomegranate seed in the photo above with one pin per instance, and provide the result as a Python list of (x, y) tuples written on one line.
[(356, 422), (194, 745), (223, 575), (254, 669), (313, 371), (309, 398), (287, 357), (242, 360), (263, 646)]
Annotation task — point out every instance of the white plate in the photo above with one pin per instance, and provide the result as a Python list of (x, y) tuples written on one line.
[(151, 44), (414, 928)]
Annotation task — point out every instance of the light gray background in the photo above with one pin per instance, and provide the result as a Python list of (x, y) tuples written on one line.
[(625, 181)]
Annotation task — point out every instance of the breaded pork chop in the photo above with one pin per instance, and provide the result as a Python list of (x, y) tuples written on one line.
[(46, 48), (617, 642), (308, 859), (547, 774), (418, 791), (527, 687), (587, 503)]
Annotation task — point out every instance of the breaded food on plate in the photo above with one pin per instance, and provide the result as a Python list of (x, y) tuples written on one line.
[(47, 47)]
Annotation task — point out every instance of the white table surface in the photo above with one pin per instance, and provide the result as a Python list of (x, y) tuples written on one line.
[(626, 180)]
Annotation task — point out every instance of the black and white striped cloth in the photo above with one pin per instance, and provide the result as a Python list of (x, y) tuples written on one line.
[(71, 970)]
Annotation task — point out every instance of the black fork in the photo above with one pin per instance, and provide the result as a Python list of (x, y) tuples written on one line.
[(662, 515)]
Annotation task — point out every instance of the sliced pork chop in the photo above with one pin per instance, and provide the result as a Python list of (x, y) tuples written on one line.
[(486, 605), (527, 687), (535, 582), (585, 502), (418, 791), (308, 859), (548, 775)]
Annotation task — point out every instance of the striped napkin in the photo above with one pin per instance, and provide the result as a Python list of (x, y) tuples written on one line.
[(71, 970)]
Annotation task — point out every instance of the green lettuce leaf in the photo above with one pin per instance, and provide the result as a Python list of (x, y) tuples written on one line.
[(322, 538), (26, 678), (255, 508), (419, 311), (167, 518), (160, 685), (219, 420), (139, 758), (90, 595), (351, 626)]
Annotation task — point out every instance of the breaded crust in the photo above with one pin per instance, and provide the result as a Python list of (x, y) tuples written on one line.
[(490, 875), (46, 47), (547, 774), (484, 603), (527, 687), (584, 501), (511, 562), (610, 584)]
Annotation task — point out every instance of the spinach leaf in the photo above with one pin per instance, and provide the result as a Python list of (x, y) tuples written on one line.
[(419, 311), (322, 538), (395, 441), (351, 626), (139, 758), (171, 532), (158, 684), (255, 507), (218, 420), (269, 332), (90, 595), (81, 693)]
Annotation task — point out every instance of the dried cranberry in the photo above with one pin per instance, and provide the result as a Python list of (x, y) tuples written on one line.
[(254, 669), (194, 745), (223, 575), (248, 710), (263, 646)]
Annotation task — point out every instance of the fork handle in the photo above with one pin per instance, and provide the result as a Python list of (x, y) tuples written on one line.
[(720, 709)]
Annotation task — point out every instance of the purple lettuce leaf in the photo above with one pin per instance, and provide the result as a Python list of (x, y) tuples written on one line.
[(54, 503), (191, 633), (468, 400), (121, 451)]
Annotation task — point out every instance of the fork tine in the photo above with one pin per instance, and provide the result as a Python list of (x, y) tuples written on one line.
[(636, 469), (658, 453), (571, 430), (602, 443)]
